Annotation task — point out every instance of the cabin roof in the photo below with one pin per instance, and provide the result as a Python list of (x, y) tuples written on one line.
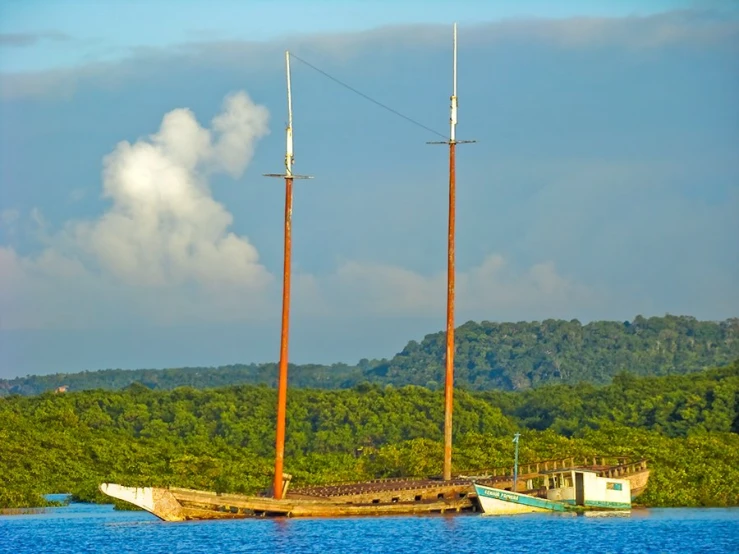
[(569, 470)]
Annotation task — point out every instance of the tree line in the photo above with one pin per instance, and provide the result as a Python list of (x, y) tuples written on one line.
[(223, 439)]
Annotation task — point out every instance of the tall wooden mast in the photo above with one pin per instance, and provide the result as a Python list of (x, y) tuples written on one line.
[(277, 486), (449, 374)]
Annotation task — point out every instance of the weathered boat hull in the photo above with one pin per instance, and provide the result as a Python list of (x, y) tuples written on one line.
[(638, 483), (175, 504), (379, 497)]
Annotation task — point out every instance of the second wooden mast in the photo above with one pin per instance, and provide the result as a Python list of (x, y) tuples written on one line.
[(449, 357), (278, 483)]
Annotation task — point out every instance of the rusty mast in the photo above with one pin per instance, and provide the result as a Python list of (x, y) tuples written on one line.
[(277, 486), (449, 357)]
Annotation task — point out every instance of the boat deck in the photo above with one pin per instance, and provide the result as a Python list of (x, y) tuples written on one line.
[(389, 486)]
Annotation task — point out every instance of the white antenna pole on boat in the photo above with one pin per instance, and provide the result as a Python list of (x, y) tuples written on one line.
[(278, 487), (449, 371), (515, 462)]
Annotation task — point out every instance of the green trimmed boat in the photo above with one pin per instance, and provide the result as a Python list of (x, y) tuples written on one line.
[(577, 490)]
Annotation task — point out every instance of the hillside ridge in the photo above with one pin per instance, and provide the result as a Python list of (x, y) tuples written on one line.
[(504, 356)]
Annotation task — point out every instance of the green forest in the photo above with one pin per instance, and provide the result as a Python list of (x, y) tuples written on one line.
[(221, 439), (504, 356)]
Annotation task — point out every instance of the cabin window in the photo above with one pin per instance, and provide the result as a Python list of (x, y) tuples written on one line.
[(396, 498), (462, 494), (440, 496), (613, 486), (418, 497), (376, 501)]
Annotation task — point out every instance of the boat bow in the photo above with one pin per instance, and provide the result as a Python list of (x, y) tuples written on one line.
[(157, 501)]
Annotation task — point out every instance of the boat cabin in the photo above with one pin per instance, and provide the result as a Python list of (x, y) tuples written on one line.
[(584, 487)]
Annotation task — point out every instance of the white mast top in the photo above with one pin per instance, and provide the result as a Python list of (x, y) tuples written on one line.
[(289, 147), (453, 118)]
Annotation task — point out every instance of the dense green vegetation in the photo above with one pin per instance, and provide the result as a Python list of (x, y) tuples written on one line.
[(518, 356), (222, 439), (678, 406), (506, 356)]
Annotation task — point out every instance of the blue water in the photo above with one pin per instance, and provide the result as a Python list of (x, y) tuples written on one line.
[(89, 528)]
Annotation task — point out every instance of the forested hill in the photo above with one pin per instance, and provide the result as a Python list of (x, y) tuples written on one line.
[(515, 356), (507, 356)]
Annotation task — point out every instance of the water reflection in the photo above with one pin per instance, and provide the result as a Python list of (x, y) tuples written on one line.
[(81, 527)]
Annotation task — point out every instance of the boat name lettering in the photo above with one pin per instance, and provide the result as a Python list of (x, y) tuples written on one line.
[(500, 495)]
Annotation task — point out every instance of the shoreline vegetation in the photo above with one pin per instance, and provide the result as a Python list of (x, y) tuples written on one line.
[(222, 439)]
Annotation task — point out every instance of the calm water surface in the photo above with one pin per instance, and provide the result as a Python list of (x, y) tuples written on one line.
[(89, 528)]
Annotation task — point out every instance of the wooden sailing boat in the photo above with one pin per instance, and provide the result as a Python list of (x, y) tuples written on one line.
[(379, 497)]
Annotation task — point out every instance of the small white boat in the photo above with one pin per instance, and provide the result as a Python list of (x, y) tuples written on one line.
[(564, 490), (503, 502)]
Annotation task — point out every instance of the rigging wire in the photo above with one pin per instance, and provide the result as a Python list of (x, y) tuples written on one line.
[(363, 95)]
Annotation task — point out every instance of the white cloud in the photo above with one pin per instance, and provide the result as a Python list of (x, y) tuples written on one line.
[(540, 290), (163, 248), (164, 226), (491, 289)]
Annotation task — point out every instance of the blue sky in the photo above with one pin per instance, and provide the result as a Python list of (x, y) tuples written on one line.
[(137, 230), (69, 32)]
